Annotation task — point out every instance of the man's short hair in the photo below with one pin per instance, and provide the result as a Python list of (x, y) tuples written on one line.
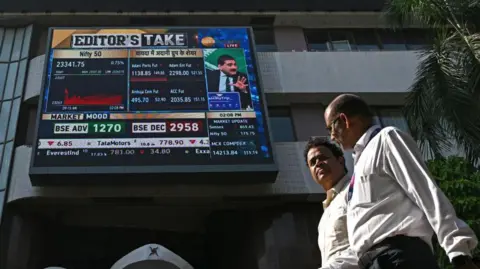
[(315, 142), (221, 60), (350, 105)]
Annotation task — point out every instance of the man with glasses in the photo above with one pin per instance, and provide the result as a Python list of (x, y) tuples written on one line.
[(327, 166), (394, 205)]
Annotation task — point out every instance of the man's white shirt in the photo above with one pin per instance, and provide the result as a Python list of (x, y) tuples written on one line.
[(332, 232), (222, 86), (394, 194)]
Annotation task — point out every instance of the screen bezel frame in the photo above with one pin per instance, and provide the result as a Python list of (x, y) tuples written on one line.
[(170, 169)]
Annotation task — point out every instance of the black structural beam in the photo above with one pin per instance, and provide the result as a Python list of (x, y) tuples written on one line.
[(52, 6)]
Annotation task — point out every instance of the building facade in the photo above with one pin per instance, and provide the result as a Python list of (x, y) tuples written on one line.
[(307, 56)]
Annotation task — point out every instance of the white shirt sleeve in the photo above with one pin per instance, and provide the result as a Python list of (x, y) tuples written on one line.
[(345, 260), (405, 163)]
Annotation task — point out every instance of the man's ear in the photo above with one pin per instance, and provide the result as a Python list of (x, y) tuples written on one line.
[(344, 118), (341, 159)]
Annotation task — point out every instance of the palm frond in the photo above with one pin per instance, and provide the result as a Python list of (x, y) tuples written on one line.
[(443, 103), (467, 12), (469, 60), (400, 12), (462, 66), (421, 110), (439, 107)]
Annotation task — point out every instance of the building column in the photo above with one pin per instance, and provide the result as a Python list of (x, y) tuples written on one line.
[(290, 39), (276, 238), (24, 243), (308, 121)]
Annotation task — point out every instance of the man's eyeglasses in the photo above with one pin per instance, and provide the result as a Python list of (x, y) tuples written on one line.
[(332, 125)]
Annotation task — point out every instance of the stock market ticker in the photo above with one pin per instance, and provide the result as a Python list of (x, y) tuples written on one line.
[(140, 98)]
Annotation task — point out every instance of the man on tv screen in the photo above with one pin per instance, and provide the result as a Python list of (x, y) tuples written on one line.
[(228, 79)]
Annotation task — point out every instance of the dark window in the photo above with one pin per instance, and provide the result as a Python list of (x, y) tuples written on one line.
[(281, 125), (26, 124), (265, 48), (341, 40), (262, 21), (392, 116), (417, 39), (264, 39), (39, 41), (366, 40), (5, 108), (317, 40), (391, 40)]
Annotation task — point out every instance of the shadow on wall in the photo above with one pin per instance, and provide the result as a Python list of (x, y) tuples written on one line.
[(151, 256)]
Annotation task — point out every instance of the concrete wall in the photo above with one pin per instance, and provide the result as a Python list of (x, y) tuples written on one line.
[(14, 52), (381, 77), (338, 72), (308, 121), (281, 238), (278, 237), (301, 74), (293, 179), (290, 38), (292, 78)]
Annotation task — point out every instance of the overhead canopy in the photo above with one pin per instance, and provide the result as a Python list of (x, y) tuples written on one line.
[(151, 265), (187, 5), (151, 256)]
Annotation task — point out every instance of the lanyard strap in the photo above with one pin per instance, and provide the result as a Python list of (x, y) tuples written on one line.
[(352, 180)]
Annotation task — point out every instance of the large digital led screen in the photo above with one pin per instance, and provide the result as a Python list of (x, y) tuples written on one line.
[(151, 100)]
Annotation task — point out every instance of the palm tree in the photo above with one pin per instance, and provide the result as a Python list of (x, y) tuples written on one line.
[(444, 101)]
